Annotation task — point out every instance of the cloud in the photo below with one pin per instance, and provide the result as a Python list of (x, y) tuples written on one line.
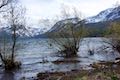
[(37, 9)]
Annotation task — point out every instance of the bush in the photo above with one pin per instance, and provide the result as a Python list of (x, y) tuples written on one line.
[(10, 65), (113, 36), (68, 42)]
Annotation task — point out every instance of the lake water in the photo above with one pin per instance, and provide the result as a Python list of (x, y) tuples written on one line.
[(35, 51)]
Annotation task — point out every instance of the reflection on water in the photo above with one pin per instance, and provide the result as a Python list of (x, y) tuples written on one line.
[(7, 75), (35, 51)]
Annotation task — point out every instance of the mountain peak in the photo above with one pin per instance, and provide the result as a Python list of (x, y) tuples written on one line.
[(106, 15)]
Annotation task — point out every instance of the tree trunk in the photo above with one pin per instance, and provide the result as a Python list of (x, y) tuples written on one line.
[(14, 42), (1, 57), (118, 48)]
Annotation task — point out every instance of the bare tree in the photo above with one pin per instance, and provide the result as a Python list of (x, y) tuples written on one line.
[(67, 39), (16, 24), (113, 37), (3, 3)]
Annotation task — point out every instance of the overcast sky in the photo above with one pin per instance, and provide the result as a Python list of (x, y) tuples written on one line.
[(37, 9)]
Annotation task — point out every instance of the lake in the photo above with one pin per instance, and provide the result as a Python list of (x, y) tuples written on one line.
[(37, 56)]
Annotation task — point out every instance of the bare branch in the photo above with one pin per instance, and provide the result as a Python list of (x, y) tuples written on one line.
[(4, 3)]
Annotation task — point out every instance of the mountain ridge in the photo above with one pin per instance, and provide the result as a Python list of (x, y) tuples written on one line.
[(100, 20)]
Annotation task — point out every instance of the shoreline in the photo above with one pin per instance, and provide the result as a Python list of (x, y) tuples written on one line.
[(100, 73)]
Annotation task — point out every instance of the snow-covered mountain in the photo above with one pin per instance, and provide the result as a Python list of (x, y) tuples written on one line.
[(103, 16), (28, 32), (35, 31), (106, 15), (59, 25)]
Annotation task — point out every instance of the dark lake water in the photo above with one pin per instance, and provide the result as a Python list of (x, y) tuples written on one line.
[(35, 51)]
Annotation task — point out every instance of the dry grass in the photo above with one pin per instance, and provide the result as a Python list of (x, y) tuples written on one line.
[(94, 74)]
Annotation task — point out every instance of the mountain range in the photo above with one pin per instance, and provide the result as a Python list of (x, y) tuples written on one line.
[(99, 21), (96, 24), (106, 15)]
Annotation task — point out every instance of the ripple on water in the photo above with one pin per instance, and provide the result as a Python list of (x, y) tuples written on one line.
[(37, 58)]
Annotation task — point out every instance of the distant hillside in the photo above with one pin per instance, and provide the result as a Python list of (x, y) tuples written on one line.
[(96, 25)]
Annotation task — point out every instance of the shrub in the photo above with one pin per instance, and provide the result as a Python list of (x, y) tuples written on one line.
[(113, 37), (68, 41)]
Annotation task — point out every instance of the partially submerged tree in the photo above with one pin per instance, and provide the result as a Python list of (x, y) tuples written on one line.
[(113, 37), (69, 34), (16, 23), (3, 3)]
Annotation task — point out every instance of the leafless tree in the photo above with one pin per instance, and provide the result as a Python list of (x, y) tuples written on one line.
[(3, 3), (67, 39), (112, 38), (16, 23)]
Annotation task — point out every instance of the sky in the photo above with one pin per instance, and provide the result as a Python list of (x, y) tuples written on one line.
[(42, 9)]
